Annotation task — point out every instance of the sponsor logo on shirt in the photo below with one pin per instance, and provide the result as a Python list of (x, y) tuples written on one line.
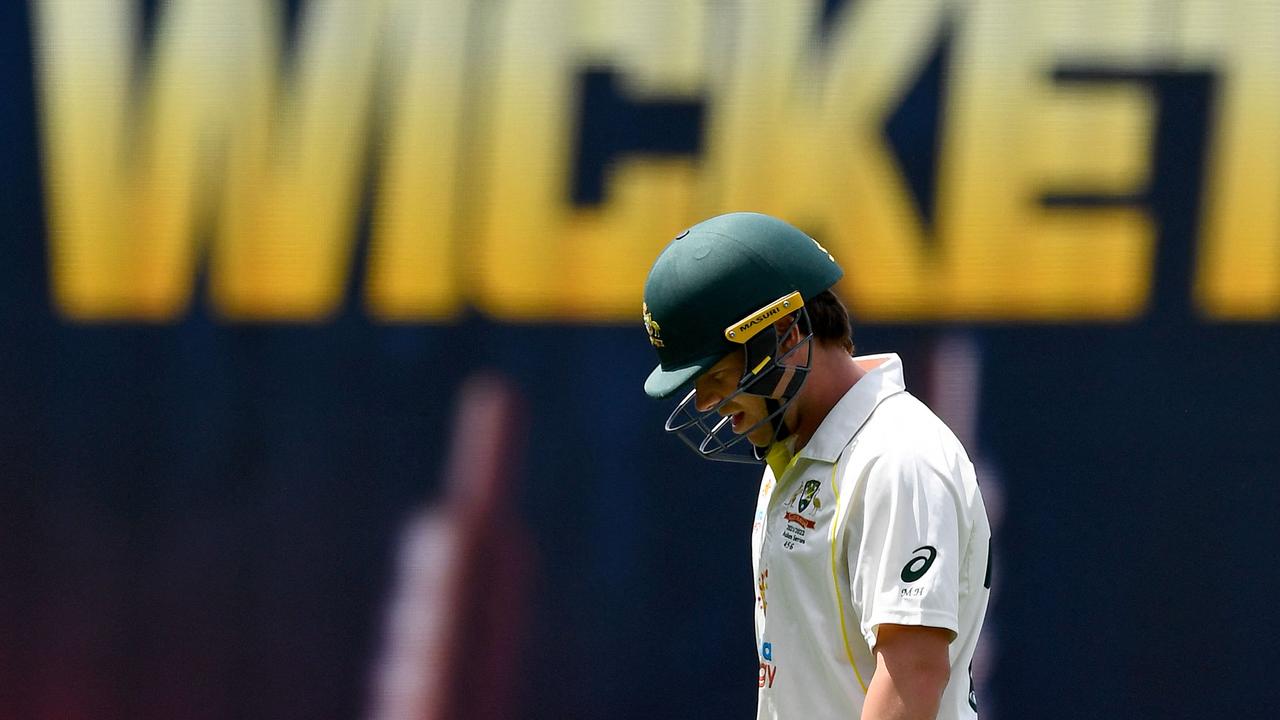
[(768, 671), (973, 695), (916, 568), (763, 585), (919, 564)]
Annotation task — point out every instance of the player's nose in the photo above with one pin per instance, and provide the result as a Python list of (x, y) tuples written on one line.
[(705, 400)]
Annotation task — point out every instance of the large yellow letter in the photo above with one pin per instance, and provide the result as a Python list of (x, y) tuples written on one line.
[(130, 176), (124, 173), (1012, 136), (414, 265), (1239, 269), (541, 257)]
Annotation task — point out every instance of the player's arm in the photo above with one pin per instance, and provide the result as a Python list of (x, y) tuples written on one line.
[(905, 578), (912, 670)]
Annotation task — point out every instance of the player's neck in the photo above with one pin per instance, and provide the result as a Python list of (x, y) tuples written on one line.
[(833, 373)]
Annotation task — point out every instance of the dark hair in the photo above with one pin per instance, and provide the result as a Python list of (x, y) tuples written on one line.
[(830, 320)]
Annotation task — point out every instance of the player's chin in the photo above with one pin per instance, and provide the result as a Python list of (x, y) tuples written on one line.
[(761, 437)]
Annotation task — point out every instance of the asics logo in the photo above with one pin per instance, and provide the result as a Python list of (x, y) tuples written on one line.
[(920, 564)]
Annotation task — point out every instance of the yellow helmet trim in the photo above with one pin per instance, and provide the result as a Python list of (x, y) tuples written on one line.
[(751, 325)]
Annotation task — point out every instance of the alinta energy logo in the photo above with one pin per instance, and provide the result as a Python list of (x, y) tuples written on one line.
[(768, 671)]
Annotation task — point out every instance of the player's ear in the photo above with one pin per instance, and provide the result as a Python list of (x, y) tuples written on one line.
[(788, 329)]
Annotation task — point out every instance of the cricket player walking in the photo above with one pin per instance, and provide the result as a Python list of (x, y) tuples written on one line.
[(870, 546)]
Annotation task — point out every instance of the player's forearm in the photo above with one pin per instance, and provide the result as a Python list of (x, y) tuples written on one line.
[(905, 693)]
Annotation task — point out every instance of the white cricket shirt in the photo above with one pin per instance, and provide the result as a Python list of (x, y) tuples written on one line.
[(878, 519)]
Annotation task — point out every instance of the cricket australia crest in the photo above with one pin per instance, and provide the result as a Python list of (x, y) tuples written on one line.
[(803, 515), (651, 326)]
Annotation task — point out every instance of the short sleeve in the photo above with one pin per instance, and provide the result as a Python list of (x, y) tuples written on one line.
[(905, 566)]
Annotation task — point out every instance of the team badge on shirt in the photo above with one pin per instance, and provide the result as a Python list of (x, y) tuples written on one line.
[(806, 503), (807, 497)]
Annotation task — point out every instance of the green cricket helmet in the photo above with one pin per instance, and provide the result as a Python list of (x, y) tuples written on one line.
[(718, 288)]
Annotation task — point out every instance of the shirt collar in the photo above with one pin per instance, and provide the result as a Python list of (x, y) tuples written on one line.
[(883, 379), (780, 456)]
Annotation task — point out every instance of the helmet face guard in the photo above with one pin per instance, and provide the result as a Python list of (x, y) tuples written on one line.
[(768, 372)]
